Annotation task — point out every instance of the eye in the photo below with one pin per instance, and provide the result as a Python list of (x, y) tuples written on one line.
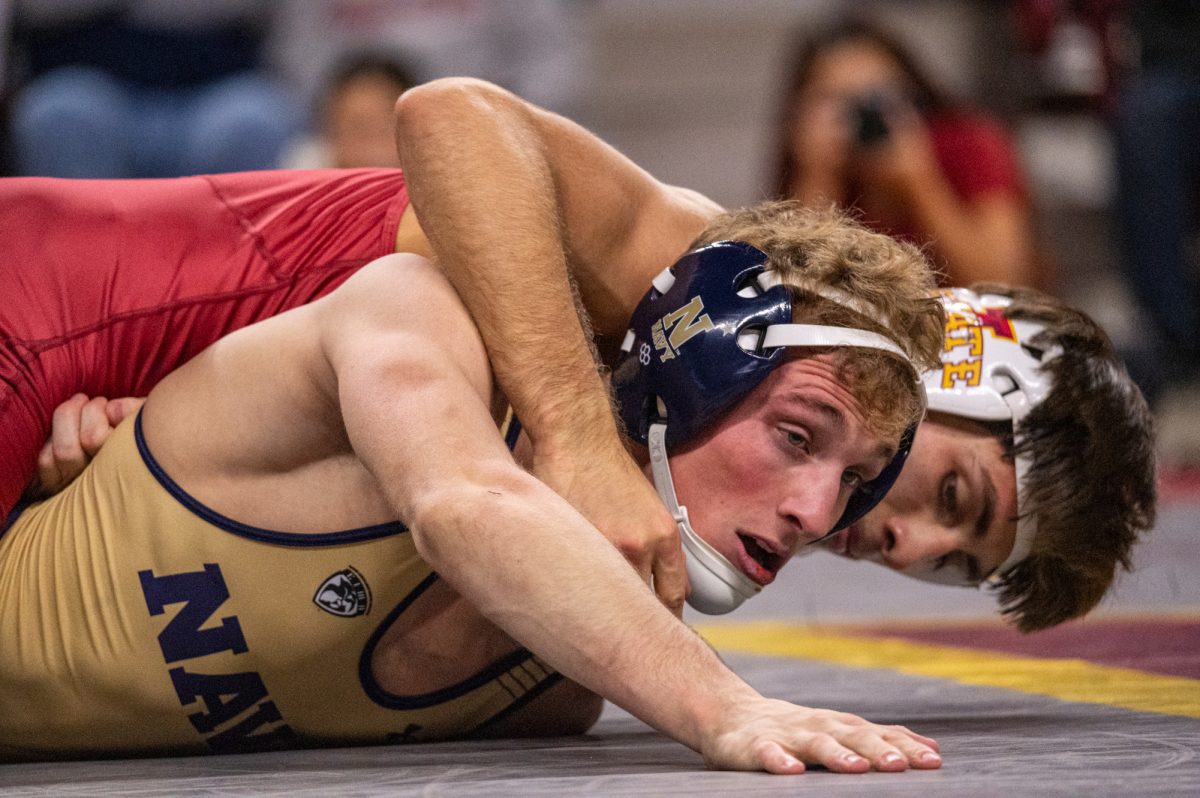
[(852, 480), (796, 439), (948, 494)]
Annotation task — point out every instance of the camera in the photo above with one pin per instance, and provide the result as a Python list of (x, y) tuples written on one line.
[(869, 120)]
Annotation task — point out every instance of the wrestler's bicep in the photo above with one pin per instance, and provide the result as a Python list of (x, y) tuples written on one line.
[(413, 382)]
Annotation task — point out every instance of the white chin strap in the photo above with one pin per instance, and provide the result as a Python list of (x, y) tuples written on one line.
[(717, 587)]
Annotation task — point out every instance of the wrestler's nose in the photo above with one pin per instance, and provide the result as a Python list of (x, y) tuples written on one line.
[(908, 541), (812, 504)]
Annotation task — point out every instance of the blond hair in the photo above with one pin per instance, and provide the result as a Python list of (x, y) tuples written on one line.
[(829, 249)]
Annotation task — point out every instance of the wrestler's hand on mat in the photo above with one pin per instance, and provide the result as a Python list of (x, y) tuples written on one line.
[(781, 738), (78, 429), (615, 496)]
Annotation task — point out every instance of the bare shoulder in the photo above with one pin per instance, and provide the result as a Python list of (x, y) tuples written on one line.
[(694, 203), (670, 224), (402, 281), (400, 312)]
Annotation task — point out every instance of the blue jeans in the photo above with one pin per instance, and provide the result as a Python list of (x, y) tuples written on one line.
[(81, 122)]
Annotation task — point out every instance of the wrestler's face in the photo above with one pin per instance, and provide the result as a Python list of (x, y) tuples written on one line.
[(776, 472), (953, 507)]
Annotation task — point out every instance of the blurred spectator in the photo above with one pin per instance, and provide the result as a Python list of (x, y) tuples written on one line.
[(356, 128), (863, 127), (1157, 134), (5, 24), (526, 46), (146, 88), (1078, 49)]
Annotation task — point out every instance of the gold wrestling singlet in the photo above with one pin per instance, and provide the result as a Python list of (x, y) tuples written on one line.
[(137, 620)]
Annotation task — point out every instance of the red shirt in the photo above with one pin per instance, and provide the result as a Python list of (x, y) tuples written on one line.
[(108, 285), (977, 158)]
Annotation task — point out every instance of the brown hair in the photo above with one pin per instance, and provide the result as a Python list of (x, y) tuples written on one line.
[(1091, 484), (831, 249)]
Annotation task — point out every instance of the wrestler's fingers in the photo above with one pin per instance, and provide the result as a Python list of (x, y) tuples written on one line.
[(904, 731), (47, 472), (892, 748), (827, 751), (774, 759), (66, 450), (645, 571), (93, 425), (868, 743), (120, 409), (919, 750)]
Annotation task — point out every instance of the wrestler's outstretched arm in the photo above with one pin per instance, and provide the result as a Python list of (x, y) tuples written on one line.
[(513, 199), (415, 399)]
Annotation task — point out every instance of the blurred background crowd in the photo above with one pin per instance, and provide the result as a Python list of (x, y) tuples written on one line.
[(1053, 143)]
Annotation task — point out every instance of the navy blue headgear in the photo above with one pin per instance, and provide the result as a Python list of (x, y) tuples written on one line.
[(695, 348)]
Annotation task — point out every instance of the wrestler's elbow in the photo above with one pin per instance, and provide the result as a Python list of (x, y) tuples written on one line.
[(485, 505), (435, 102)]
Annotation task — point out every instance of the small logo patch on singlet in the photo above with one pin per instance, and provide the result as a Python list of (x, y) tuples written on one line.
[(344, 594)]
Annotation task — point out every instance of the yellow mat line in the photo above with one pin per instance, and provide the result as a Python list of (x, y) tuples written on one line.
[(1068, 679)]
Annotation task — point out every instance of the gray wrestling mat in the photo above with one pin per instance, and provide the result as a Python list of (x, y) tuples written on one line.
[(995, 741)]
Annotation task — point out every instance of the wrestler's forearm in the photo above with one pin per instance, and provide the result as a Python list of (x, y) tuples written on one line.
[(482, 185), (534, 567), (518, 202), (415, 409)]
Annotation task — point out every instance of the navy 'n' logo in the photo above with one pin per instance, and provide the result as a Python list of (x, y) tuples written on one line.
[(202, 593)]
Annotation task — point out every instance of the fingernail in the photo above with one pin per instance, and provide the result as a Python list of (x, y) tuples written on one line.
[(930, 757), (891, 759), (853, 759)]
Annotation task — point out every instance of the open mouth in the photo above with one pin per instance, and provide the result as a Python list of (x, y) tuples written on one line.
[(759, 563)]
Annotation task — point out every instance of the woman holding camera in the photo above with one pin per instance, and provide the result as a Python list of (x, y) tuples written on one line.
[(863, 128)]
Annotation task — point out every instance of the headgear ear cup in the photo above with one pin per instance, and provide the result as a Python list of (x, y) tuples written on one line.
[(707, 334)]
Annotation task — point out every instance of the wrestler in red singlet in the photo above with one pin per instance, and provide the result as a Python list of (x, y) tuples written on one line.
[(108, 285)]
